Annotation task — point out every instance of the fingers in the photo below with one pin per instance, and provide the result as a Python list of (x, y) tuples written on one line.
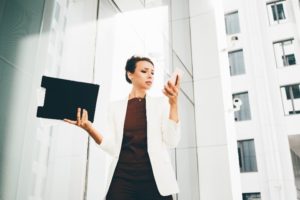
[(171, 89), (81, 119), (85, 116), (70, 121), (167, 94), (78, 116)]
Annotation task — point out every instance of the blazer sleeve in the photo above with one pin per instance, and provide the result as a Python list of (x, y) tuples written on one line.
[(108, 142), (170, 129)]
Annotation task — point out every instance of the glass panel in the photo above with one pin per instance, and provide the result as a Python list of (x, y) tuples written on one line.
[(276, 12), (251, 196), (236, 62), (285, 53), (232, 23), (247, 156), (291, 99), (289, 50), (295, 155), (244, 113), (290, 59), (280, 11), (279, 54), (20, 24)]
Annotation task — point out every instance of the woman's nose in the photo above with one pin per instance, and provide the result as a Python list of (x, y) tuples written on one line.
[(150, 75)]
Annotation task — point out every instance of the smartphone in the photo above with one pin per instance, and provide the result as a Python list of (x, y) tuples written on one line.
[(176, 74)]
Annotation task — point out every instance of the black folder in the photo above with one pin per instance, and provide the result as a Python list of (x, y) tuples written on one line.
[(63, 97)]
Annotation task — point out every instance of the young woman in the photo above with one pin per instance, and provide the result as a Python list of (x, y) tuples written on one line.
[(141, 129)]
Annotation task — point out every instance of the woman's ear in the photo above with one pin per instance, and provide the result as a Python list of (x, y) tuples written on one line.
[(129, 74)]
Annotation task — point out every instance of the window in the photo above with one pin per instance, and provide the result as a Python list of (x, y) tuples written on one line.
[(291, 99), (289, 60), (251, 196), (292, 91), (236, 62), (276, 11), (285, 53), (244, 112), (296, 163), (247, 157), (232, 23)]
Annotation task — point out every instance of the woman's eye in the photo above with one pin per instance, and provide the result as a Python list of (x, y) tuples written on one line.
[(143, 71), (152, 73)]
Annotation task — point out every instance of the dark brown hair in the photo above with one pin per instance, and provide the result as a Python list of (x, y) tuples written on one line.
[(131, 65)]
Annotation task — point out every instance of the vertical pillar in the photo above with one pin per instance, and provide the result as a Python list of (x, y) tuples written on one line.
[(219, 176)]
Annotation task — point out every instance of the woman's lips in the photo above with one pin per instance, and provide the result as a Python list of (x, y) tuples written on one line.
[(148, 82)]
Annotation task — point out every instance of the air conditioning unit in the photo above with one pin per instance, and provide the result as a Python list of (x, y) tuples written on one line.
[(234, 38)]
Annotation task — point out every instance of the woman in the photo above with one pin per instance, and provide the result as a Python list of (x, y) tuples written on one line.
[(141, 129)]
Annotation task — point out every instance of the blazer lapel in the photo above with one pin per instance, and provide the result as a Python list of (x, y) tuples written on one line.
[(121, 115), (149, 116)]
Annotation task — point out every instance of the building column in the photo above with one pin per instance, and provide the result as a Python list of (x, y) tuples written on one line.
[(219, 176)]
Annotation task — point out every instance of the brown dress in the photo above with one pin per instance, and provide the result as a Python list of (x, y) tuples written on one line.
[(134, 162), (133, 177)]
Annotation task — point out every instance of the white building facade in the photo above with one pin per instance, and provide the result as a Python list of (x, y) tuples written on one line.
[(264, 52)]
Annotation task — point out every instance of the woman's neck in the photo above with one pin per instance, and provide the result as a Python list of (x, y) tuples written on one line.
[(137, 94)]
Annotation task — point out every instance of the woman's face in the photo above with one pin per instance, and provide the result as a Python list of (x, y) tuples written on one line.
[(143, 75)]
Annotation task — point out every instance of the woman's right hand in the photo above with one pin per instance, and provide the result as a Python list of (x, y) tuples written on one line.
[(82, 120)]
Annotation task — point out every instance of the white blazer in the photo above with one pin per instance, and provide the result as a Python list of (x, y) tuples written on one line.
[(162, 133)]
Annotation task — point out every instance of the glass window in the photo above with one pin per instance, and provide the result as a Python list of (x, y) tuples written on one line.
[(251, 196), (285, 53), (244, 113), (247, 156), (291, 99), (232, 23), (292, 91), (296, 163), (289, 59), (276, 11), (236, 62)]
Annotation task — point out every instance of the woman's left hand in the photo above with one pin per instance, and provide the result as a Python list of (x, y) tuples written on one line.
[(172, 91)]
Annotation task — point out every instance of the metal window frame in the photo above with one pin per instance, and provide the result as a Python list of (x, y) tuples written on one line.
[(230, 67), (242, 161), (231, 13), (291, 97), (243, 92), (270, 3), (285, 63)]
